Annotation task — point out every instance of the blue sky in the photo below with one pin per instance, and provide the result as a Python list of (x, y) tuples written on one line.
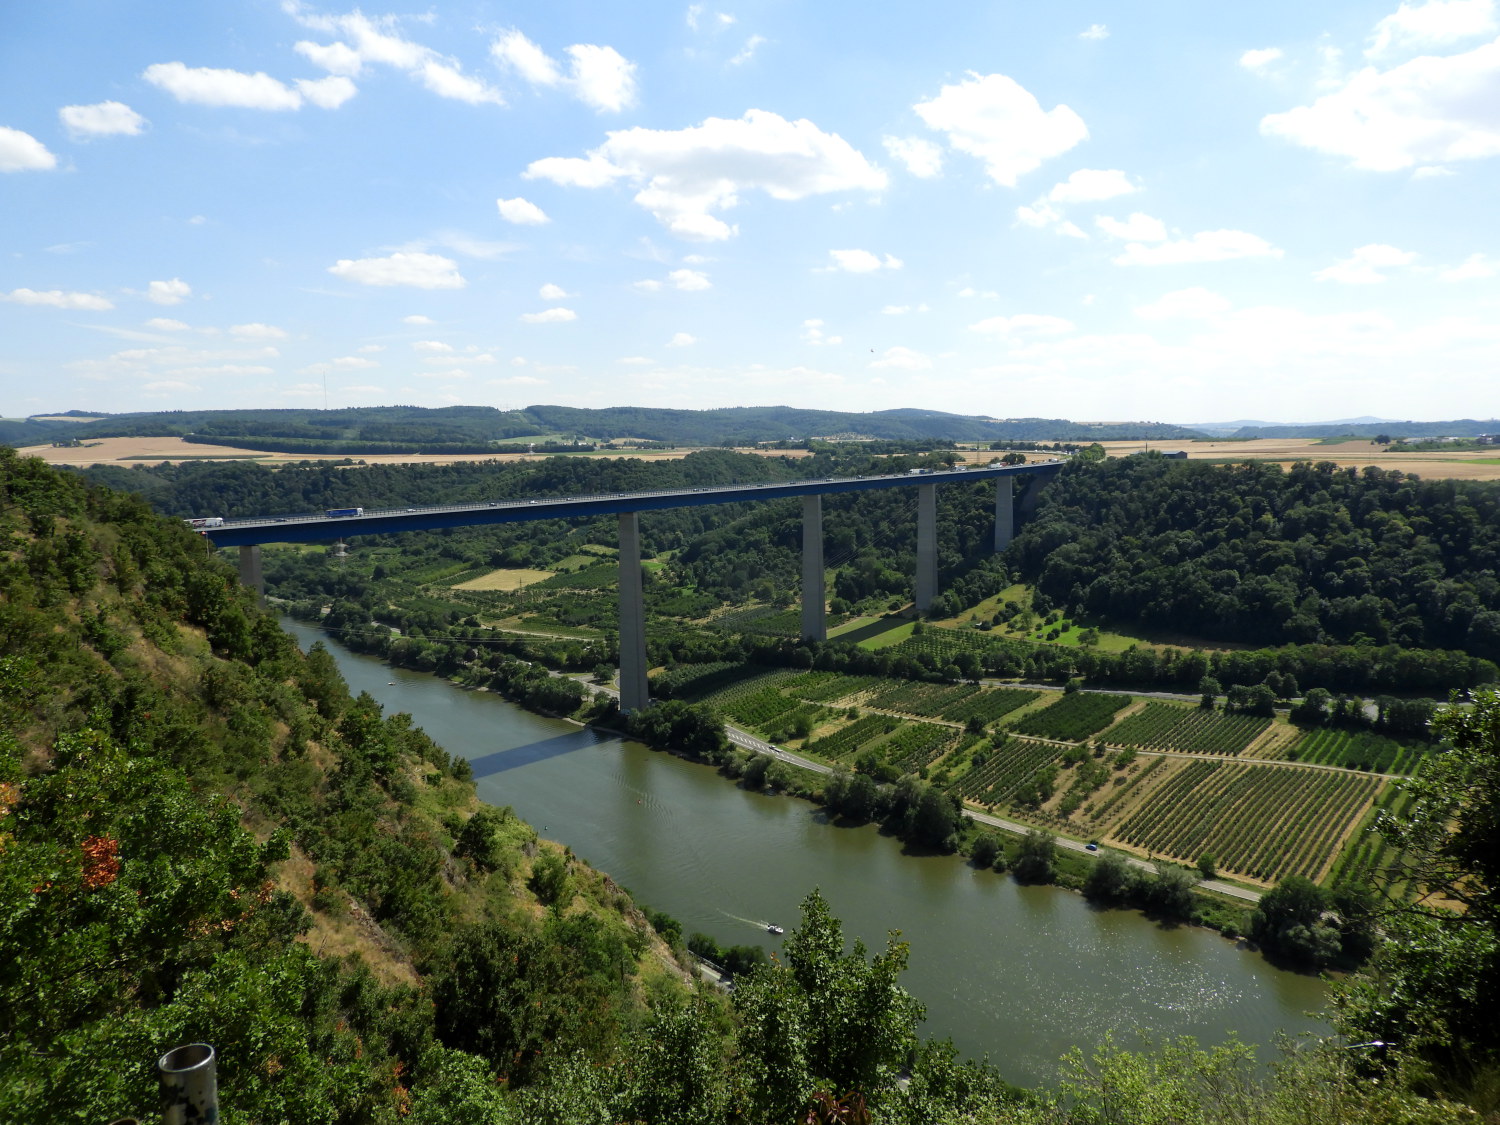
[(1177, 212)]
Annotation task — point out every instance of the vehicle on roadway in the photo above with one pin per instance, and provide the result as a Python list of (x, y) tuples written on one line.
[(205, 521), (335, 513)]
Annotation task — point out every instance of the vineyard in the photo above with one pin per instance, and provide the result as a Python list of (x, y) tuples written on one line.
[(825, 687), (988, 705), (601, 576), (769, 711), (1162, 726), (729, 689), (693, 681), (945, 644), (916, 745), (1358, 750), (1264, 823), (914, 698), (1074, 717), (845, 742), (1011, 765), (1369, 860)]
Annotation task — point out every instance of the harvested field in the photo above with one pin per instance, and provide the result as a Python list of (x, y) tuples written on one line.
[(505, 580), (1466, 465)]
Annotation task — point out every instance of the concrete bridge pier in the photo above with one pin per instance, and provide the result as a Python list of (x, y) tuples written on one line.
[(250, 573), (1005, 512), (926, 586), (814, 616), (635, 694)]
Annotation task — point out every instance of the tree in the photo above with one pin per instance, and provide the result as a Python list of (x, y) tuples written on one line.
[(986, 850), (1111, 879), (1038, 853), (1289, 921)]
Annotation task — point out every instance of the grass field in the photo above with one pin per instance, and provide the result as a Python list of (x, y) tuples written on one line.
[(505, 580)]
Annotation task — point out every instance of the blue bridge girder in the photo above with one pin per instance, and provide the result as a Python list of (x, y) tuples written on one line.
[(318, 527)]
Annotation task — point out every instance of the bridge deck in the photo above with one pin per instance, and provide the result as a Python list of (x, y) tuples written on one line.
[(320, 527)]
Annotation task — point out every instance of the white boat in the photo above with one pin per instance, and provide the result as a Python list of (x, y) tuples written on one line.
[(774, 929)]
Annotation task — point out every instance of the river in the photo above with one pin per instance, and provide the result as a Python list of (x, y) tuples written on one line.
[(1018, 974)]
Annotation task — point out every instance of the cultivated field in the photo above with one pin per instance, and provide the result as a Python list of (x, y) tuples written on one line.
[(1466, 465), (505, 580)]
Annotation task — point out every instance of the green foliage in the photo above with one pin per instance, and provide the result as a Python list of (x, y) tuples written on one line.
[(1073, 717)]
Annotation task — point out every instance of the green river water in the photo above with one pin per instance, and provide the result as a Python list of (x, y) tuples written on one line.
[(1018, 974)]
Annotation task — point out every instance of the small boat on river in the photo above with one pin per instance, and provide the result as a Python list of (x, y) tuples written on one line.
[(772, 928)]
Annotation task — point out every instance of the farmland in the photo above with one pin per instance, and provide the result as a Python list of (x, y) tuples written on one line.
[(1155, 778)]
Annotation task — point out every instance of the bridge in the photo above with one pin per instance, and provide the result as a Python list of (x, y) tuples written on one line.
[(249, 534)]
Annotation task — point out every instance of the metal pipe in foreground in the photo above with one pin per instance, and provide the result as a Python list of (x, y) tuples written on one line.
[(189, 1086)]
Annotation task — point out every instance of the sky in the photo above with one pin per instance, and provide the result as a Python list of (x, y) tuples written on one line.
[(1157, 211)]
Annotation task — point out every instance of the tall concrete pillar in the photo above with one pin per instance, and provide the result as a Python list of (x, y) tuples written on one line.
[(250, 574), (1005, 512), (926, 546), (634, 692), (814, 618)]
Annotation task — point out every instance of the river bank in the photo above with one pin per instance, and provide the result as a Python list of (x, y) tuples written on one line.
[(1017, 973)]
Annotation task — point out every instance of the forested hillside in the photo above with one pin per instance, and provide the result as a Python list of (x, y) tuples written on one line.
[(1255, 553)]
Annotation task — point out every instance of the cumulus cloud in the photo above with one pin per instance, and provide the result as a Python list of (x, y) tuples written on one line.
[(557, 315), (550, 292), (1205, 246), (1474, 268), (1364, 265), (1258, 59), (1138, 228), (1434, 24), (58, 299), (862, 261), (747, 52), (903, 359), (521, 212), (994, 118), (922, 158), (417, 318), (1094, 31), (431, 346), (600, 77), (685, 175), (1431, 110), (681, 340), (1196, 303), (368, 40), (172, 292), (214, 86), (637, 360), (1092, 185), (105, 119), (417, 270), (1043, 214), (812, 333), (257, 331), (1033, 324), (327, 93), (166, 324), (689, 280), (21, 152)]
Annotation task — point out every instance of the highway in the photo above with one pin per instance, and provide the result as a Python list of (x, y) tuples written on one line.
[(320, 527)]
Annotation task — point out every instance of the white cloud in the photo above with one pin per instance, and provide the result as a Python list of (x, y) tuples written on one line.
[(257, 331), (1433, 24), (681, 340), (417, 318), (1431, 110), (903, 359), (549, 316), (637, 360), (375, 40), (1364, 266), (58, 299), (747, 52), (327, 93), (550, 292), (336, 58), (172, 292), (431, 346), (685, 175), (1205, 246), (812, 333), (600, 77), (521, 211), (418, 270), (1138, 228), (21, 152), (1091, 185), (647, 285), (106, 119), (204, 85), (354, 363), (166, 324), (895, 310), (1094, 31), (1196, 303), (483, 358), (1258, 59), (992, 117), (1033, 324), (862, 261), (689, 280), (922, 158), (1474, 268), (371, 348)]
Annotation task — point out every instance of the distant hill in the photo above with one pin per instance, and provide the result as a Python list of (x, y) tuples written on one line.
[(423, 429), (1219, 429), (1460, 427)]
